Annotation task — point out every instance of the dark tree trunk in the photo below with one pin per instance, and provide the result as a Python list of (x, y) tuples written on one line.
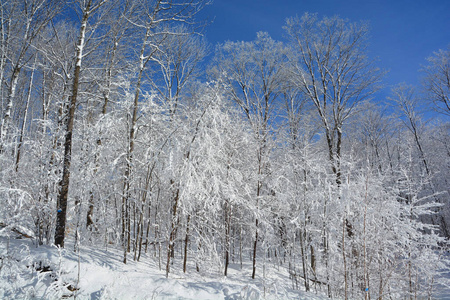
[(254, 250), (64, 183), (304, 258), (227, 235), (186, 242)]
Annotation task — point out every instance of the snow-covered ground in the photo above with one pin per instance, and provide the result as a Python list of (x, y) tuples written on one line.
[(100, 274), (45, 272)]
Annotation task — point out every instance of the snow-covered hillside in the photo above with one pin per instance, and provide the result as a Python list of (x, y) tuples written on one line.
[(44, 272)]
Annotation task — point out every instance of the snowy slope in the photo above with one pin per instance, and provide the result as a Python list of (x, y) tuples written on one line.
[(100, 274)]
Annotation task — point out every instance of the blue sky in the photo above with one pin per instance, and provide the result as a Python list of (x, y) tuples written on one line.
[(403, 32)]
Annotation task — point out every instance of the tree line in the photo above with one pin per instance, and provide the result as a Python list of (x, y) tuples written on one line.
[(121, 127)]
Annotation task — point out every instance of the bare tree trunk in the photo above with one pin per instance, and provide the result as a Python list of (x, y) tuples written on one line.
[(240, 245), (186, 242), (344, 258), (227, 235), (254, 249), (139, 232), (303, 253), (24, 122), (326, 249), (172, 235), (313, 262), (140, 235), (11, 94), (198, 250), (255, 243), (64, 183), (366, 271)]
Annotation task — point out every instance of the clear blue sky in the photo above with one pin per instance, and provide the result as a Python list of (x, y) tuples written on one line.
[(403, 32)]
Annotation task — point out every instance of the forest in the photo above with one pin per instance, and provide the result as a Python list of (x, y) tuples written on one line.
[(121, 127)]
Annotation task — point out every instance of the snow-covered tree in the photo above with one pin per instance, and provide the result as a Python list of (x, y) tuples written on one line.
[(437, 80), (254, 72)]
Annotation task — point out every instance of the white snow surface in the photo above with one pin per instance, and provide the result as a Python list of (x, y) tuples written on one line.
[(101, 274)]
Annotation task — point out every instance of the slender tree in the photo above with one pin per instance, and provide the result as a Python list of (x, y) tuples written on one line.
[(87, 8)]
